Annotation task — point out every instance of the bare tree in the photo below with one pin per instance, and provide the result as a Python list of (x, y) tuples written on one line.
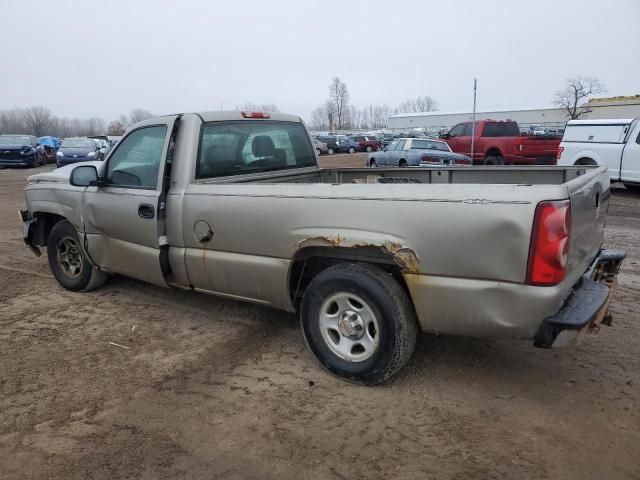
[(330, 110), (572, 98), (138, 115), (116, 128), (124, 120), (418, 104), (319, 119), (37, 120), (339, 98), (259, 107)]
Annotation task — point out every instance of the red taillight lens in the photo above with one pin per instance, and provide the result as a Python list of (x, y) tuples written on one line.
[(560, 150), (549, 248), (255, 115)]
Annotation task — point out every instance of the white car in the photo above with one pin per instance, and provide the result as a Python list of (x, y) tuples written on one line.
[(614, 143)]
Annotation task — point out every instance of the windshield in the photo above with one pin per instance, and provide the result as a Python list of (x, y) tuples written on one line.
[(15, 140), (78, 143), (251, 146)]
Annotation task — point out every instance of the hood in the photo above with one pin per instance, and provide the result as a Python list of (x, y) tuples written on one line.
[(59, 175), (14, 147), (80, 151)]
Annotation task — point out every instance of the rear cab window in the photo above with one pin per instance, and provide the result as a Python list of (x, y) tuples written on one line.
[(242, 147)]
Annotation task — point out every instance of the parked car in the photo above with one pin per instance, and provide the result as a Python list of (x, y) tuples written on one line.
[(367, 143), (412, 152), (321, 147), (78, 149), (50, 146), (247, 214), (339, 144), (612, 143), (21, 151), (500, 143)]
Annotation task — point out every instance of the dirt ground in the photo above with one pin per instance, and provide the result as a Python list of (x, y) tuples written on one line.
[(212, 388)]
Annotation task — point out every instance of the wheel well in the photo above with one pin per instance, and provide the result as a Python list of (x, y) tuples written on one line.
[(585, 161), (402, 160), (493, 152), (372, 160), (41, 229), (310, 261)]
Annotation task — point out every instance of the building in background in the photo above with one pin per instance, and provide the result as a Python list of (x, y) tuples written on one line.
[(612, 107)]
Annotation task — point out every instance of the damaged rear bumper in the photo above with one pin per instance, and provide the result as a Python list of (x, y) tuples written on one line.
[(587, 306)]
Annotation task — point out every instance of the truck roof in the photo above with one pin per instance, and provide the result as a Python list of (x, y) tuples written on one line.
[(602, 121), (222, 115)]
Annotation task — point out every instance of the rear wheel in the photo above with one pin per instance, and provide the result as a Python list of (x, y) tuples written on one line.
[(493, 160), (352, 150), (358, 322), (330, 151), (369, 148), (68, 262), (372, 163)]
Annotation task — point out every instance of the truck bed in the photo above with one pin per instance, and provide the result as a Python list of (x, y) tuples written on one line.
[(489, 175)]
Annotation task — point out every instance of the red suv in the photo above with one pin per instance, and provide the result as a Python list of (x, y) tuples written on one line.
[(368, 143)]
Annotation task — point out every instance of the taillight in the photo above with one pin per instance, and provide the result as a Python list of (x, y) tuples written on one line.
[(560, 150), (255, 115), (549, 248)]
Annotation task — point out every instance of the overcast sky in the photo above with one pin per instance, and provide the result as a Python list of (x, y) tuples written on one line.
[(90, 58)]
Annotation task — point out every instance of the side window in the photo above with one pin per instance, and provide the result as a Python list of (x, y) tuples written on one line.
[(458, 130), (392, 146), (419, 144), (512, 129), (468, 129), (492, 130), (400, 145), (136, 161)]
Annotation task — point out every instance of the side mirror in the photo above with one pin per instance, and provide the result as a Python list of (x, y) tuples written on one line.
[(84, 176)]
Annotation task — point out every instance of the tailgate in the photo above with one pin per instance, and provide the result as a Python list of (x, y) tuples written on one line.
[(589, 195), (533, 146)]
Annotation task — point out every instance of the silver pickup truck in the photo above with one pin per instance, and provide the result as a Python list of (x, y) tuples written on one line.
[(234, 204)]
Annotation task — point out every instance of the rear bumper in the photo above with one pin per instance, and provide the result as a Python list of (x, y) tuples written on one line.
[(587, 306)]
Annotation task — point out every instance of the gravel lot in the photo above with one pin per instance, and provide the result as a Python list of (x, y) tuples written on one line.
[(211, 388)]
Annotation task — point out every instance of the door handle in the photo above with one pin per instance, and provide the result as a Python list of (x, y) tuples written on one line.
[(146, 211)]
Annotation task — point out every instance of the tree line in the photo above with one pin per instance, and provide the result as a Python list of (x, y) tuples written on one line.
[(40, 121), (338, 114)]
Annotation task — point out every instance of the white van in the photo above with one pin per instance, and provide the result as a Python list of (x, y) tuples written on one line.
[(614, 143)]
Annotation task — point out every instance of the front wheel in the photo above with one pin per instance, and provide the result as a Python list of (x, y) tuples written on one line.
[(330, 151), (352, 150), (369, 148), (358, 322), (68, 262)]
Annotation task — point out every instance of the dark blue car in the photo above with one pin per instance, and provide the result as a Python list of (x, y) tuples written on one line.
[(20, 151), (339, 144), (74, 150)]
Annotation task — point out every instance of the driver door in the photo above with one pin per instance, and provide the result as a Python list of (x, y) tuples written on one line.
[(124, 218)]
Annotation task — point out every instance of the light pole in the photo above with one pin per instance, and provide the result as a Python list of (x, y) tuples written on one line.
[(473, 117)]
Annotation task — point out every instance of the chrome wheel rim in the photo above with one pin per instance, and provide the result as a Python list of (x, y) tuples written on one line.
[(70, 257), (349, 327)]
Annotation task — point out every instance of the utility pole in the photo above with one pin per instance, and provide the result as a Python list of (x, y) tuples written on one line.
[(473, 118)]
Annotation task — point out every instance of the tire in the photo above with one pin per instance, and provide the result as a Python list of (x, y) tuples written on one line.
[(493, 160), (369, 149), (381, 336), (352, 150), (403, 163), (69, 264), (330, 151), (372, 163)]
